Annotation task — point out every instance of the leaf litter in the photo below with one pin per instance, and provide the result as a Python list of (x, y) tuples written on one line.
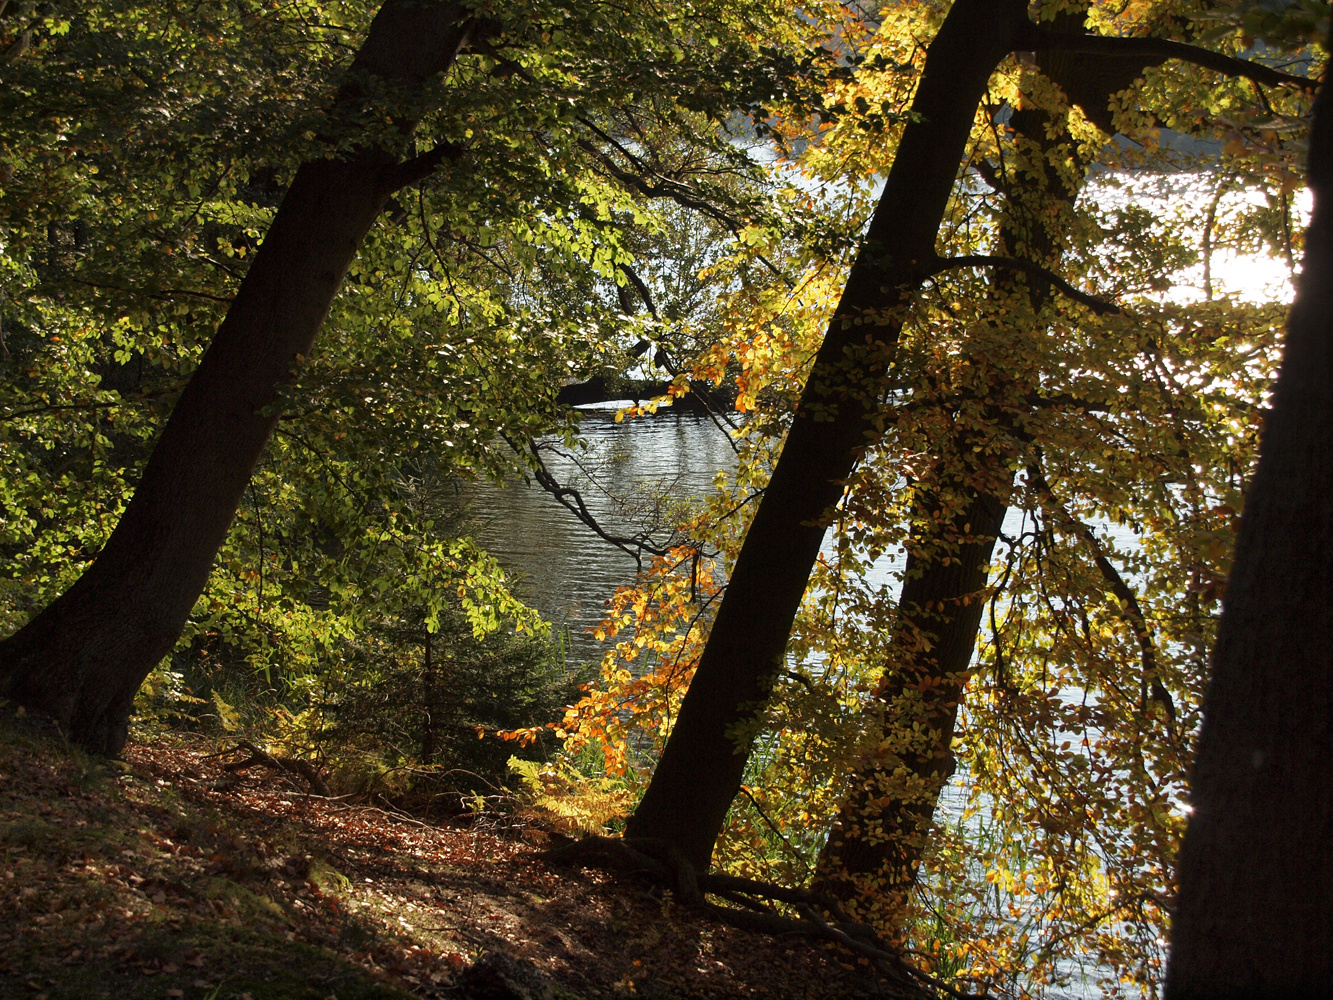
[(165, 876)]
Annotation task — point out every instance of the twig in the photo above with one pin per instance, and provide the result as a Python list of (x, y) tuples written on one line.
[(771, 825), (1131, 610), (572, 500), (396, 816)]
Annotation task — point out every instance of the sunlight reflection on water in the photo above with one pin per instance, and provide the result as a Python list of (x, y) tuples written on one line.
[(568, 573)]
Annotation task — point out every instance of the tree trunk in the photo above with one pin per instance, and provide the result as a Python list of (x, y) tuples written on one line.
[(83, 658), (704, 759), (428, 700), (1255, 910), (876, 842)]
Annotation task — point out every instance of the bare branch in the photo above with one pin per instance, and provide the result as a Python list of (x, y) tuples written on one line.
[(572, 500), (289, 765)]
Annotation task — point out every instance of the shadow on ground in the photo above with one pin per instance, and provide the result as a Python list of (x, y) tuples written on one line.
[(164, 877)]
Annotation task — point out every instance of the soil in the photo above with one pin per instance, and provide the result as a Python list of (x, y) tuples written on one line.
[(164, 876)]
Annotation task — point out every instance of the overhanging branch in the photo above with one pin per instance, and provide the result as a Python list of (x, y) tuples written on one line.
[(572, 500), (1034, 38), (1100, 306)]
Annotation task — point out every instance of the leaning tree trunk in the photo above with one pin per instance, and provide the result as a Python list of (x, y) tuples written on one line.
[(701, 767), (83, 658), (871, 855), (1255, 911), (876, 843)]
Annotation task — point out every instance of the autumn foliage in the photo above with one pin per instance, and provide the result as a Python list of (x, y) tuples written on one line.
[(1067, 413)]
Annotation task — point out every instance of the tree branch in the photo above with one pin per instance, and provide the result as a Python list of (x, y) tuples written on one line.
[(168, 294), (1040, 39), (664, 187), (289, 765), (572, 500), (1100, 306), (641, 287), (419, 167), (106, 404), (1131, 611)]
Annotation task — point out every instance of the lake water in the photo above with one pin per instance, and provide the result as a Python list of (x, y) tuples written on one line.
[(568, 573), (560, 566)]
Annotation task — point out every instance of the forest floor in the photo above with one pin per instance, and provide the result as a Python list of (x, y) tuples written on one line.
[(163, 876)]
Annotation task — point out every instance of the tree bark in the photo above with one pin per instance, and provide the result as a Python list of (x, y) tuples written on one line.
[(704, 758), (83, 658), (1255, 911)]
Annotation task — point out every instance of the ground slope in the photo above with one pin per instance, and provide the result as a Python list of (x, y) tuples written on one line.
[(163, 876)]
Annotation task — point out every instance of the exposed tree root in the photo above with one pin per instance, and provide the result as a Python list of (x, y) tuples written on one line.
[(820, 916), (283, 765)]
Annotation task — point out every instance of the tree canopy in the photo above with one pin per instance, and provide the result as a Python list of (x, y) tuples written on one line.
[(930, 256)]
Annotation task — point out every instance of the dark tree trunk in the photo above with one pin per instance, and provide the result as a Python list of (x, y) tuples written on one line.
[(877, 839), (83, 658), (702, 765), (1255, 911), (881, 829), (428, 700)]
